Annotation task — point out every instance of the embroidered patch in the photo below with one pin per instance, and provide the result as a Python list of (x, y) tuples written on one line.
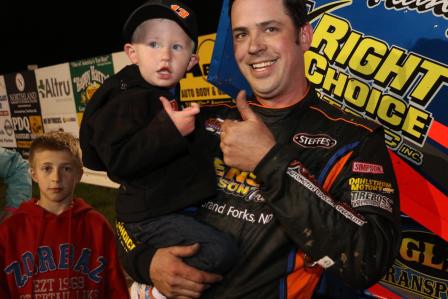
[(361, 167), (317, 140), (363, 198), (214, 125), (365, 184), (181, 12)]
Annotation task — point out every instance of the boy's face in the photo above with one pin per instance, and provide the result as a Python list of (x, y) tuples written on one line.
[(56, 173), (163, 52)]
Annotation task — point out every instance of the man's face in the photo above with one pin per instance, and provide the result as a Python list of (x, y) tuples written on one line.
[(269, 50)]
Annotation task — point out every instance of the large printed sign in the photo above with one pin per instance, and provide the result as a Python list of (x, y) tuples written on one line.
[(194, 86), (56, 99), (421, 267), (25, 110), (87, 76), (386, 61), (398, 80)]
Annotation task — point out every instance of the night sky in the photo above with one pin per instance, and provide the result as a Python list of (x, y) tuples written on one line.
[(48, 33)]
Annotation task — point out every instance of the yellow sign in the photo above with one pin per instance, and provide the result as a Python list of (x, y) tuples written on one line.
[(195, 87)]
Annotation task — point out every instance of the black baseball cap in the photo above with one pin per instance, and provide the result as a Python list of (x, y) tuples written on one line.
[(163, 9)]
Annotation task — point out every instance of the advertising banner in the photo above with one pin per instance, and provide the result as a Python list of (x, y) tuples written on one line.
[(87, 76), (420, 269), (25, 109), (7, 137), (56, 99), (396, 76), (194, 86)]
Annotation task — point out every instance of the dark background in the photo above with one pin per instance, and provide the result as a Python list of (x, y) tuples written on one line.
[(52, 32)]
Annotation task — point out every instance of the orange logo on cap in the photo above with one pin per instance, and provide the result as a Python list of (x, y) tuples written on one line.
[(181, 12)]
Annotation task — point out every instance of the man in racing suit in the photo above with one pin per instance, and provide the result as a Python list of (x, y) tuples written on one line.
[(302, 186)]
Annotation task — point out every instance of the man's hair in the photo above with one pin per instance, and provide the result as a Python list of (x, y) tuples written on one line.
[(295, 9), (56, 141)]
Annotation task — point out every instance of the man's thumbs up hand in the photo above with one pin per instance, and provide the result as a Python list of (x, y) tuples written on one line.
[(244, 143), (244, 107)]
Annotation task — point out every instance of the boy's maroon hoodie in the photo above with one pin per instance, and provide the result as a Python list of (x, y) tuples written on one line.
[(71, 255)]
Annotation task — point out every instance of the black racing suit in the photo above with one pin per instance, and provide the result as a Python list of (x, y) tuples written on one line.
[(324, 197)]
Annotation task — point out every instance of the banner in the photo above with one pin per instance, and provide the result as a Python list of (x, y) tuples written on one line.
[(194, 86), (87, 76), (25, 109), (56, 99)]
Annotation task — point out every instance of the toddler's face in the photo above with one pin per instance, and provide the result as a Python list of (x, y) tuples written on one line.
[(163, 53)]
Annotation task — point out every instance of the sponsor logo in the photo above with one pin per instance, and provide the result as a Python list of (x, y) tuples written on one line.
[(213, 125), (20, 82), (255, 196), (318, 140), (364, 198), (69, 119), (180, 11), (398, 100), (52, 120), (52, 87), (315, 12), (363, 184), (125, 239), (361, 167), (439, 8), (239, 183)]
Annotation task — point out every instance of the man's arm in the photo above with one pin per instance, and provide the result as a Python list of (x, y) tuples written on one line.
[(357, 245), (164, 267), (176, 279), (354, 234), (168, 273)]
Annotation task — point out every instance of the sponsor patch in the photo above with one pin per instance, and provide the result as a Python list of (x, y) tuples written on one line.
[(363, 184), (364, 198), (361, 167), (317, 140), (214, 125), (125, 239), (296, 173), (180, 11)]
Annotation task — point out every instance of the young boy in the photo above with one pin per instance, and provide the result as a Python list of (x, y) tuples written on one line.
[(151, 153), (57, 246)]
